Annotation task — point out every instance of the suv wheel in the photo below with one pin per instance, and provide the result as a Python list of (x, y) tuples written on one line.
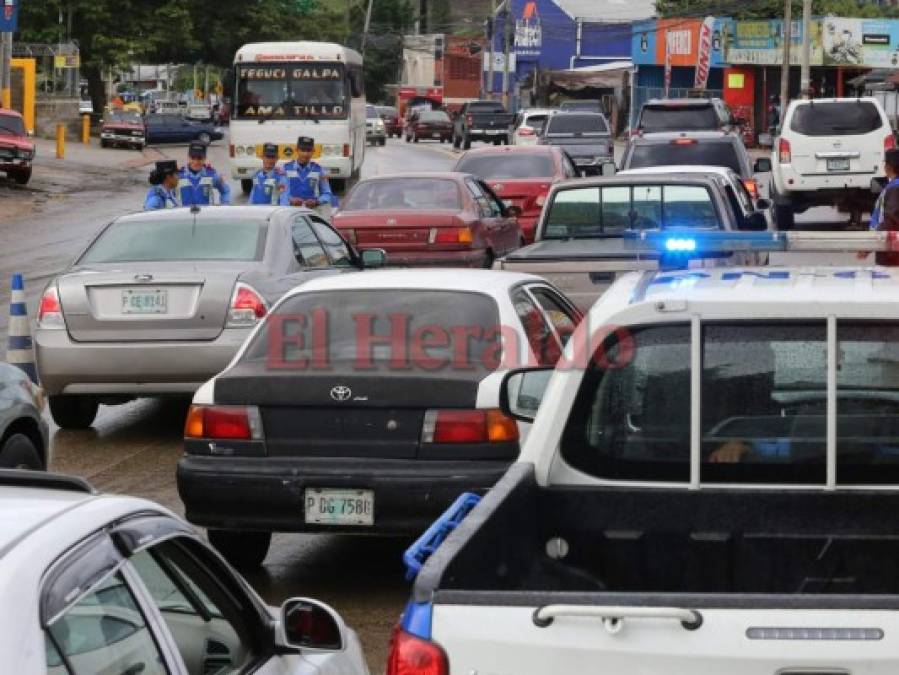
[(204, 138), (22, 176), (18, 452), (73, 412), (243, 549)]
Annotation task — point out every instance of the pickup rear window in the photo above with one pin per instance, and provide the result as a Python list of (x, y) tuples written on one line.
[(678, 118), (837, 118), (611, 209), (680, 153), (763, 405)]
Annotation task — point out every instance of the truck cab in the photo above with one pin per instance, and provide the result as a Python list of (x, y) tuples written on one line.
[(708, 485)]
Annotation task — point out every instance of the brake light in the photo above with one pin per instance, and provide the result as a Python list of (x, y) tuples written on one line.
[(469, 120), (231, 150), (786, 155), (684, 141), (410, 655), (468, 426), (525, 131), (231, 422), (246, 307), (752, 187), (49, 314), (450, 235), (889, 142)]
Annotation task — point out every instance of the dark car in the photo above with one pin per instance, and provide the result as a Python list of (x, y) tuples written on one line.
[(16, 149), (178, 129), (482, 121), (585, 136), (684, 114), (438, 219), (429, 125), (521, 176), (123, 127), (392, 121)]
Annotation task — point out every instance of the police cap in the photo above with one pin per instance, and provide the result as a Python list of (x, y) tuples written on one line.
[(270, 150), (166, 167), (892, 157), (306, 143), (196, 149)]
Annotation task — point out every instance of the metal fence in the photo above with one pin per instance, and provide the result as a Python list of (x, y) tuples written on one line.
[(58, 67)]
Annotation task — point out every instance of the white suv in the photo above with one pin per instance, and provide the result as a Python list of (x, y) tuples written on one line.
[(110, 584), (826, 155)]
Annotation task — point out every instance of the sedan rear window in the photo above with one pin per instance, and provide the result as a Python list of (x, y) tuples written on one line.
[(433, 116), (716, 153), (424, 330), (405, 193), (155, 240), (838, 118), (678, 118), (576, 124), (507, 165)]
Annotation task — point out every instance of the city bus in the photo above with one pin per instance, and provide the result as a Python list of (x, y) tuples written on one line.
[(284, 90)]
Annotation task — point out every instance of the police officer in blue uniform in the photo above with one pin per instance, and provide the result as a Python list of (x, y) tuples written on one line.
[(308, 181), (164, 181), (270, 184), (885, 215), (197, 180)]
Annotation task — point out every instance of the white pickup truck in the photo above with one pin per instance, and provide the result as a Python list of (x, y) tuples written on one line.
[(709, 487)]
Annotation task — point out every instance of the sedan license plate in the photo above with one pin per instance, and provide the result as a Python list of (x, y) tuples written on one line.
[(838, 165), (326, 506), (145, 301)]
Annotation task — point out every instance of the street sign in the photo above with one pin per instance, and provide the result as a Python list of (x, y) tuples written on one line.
[(9, 15)]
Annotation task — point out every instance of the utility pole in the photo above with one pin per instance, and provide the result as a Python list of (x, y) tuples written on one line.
[(507, 45), (805, 78), (491, 30), (367, 24), (206, 85), (785, 69)]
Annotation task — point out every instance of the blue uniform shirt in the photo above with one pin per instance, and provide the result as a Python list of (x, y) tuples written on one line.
[(877, 213), (309, 182), (160, 198), (196, 188), (270, 187)]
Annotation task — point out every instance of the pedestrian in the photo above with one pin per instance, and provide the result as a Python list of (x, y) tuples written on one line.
[(270, 184), (774, 115), (885, 215), (197, 180), (164, 181), (308, 181)]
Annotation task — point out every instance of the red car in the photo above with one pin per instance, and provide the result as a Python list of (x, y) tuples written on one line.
[(437, 219), (429, 125), (16, 149), (123, 127), (520, 175), (392, 122)]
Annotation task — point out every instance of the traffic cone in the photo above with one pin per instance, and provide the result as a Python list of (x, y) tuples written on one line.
[(19, 349)]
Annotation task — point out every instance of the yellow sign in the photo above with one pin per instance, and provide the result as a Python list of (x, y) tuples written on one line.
[(62, 61), (736, 81)]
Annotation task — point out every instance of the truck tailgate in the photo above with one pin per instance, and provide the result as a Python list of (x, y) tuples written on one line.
[(502, 639)]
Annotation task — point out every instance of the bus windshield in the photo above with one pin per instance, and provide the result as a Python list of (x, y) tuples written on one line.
[(312, 90)]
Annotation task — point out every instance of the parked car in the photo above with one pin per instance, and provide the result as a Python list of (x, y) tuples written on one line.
[(429, 125), (392, 122), (178, 129), (163, 106), (482, 121), (581, 105), (122, 128), (528, 125), (160, 301), (448, 219), (826, 155), (375, 131), (520, 176), (381, 437), (700, 148), (580, 243), (668, 115), (201, 112), (24, 436), (16, 148), (584, 136), (98, 583)]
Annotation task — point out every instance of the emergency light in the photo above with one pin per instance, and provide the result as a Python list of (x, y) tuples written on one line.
[(704, 243)]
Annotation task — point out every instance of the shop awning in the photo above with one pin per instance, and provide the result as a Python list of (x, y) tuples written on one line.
[(601, 76)]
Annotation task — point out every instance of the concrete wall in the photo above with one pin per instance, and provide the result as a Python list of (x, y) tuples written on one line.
[(50, 111)]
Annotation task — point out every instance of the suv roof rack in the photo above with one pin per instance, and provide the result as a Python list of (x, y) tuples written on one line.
[(44, 479)]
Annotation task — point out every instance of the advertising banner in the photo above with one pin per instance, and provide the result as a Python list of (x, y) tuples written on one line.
[(704, 56), (760, 42), (861, 42), (9, 15)]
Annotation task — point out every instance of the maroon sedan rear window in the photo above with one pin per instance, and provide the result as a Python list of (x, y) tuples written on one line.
[(507, 165), (405, 193)]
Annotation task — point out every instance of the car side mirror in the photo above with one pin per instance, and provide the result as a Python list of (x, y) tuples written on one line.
[(311, 625), (373, 258), (522, 391), (609, 169), (514, 211), (762, 165), (756, 222), (763, 204), (878, 185)]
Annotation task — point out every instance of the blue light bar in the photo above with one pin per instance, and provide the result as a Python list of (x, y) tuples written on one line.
[(696, 243)]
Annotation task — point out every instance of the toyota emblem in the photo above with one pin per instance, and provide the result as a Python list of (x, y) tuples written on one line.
[(341, 393)]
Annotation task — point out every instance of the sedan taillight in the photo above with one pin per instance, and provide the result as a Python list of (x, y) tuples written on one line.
[(450, 235), (227, 422), (468, 426), (752, 187), (49, 313), (246, 308)]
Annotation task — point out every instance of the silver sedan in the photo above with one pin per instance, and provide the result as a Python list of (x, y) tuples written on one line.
[(160, 301), (24, 439)]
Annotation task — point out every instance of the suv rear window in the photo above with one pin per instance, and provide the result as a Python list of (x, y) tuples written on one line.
[(699, 153), (576, 124), (678, 118), (836, 118)]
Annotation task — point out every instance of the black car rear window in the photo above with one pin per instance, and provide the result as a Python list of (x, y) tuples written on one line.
[(678, 118), (836, 118), (507, 165), (714, 153), (576, 124), (410, 330)]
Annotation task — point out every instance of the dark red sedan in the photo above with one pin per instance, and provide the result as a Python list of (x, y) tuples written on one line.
[(438, 219), (16, 149), (429, 125), (520, 175)]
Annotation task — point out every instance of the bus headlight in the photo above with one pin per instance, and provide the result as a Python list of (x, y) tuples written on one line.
[(239, 151), (332, 150), (251, 151)]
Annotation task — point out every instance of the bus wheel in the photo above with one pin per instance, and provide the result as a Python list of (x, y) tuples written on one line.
[(246, 185)]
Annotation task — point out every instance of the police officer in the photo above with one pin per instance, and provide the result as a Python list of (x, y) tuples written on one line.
[(885, 215), (164, 180), (270, 184), (309, 185), (197, 180)]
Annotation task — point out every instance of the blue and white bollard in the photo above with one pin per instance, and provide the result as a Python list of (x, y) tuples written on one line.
[(19, 348)]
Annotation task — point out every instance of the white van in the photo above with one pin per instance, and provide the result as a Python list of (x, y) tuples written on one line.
[(827, 153)]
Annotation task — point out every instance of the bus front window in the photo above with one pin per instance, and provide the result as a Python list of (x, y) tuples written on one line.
[(292, 91)]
